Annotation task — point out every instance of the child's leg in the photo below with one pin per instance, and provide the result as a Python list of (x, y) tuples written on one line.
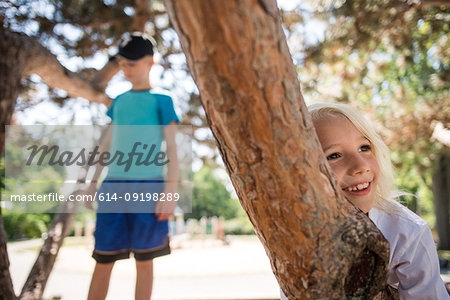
[(144, 279), (100, 281)]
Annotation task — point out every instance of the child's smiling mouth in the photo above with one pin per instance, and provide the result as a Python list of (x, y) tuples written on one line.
[(360, 189)]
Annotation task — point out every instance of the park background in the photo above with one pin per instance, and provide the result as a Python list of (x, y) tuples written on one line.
[(390, 59)]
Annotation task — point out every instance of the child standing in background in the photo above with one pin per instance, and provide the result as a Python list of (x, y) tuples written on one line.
[(119, 233)]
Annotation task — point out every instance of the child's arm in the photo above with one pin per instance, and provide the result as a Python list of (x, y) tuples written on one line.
[(418, 269), (165, 209)]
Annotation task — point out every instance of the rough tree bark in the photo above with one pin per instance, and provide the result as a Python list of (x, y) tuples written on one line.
[(10, 76), (319, 245), (20, 56), (441, 193)]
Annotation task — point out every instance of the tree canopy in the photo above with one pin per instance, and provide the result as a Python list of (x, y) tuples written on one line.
[(211, 196), (390, 59)]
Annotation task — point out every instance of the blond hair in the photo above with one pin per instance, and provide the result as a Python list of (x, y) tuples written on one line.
[(386, 190)]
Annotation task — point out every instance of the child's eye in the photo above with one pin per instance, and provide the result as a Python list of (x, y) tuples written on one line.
[(365, 148), (333, 156)]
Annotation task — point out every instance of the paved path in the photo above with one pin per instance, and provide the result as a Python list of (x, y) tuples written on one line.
[(199, 269), (196, 269)]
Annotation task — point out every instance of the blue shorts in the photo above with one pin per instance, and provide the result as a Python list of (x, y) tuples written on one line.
[(129, 195), (118, 234)]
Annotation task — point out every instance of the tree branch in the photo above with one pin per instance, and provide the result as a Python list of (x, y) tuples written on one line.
[(430, 3), (39, 60), (43, 63), (102, 77), (142, 15)]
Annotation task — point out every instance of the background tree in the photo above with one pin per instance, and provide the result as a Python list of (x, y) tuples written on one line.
[(211, 197)]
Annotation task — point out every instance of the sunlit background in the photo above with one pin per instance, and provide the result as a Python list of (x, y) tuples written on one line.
[(390, 59)]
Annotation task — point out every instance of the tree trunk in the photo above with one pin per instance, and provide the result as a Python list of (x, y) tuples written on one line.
[(20, 56), (11, 69), (319, 245), (441, 193), (6, 285)]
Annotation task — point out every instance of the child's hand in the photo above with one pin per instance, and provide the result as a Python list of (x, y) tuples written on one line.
[(90, 191), (164, 209)]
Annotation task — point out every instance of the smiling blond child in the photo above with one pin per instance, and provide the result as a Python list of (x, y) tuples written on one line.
[(361, 163)]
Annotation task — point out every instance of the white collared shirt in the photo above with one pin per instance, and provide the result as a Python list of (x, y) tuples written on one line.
[(413, 262)]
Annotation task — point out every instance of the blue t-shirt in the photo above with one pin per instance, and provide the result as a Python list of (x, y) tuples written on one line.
[(133, 113)]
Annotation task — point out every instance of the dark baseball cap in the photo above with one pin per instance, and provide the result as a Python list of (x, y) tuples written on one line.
[(135, 46)]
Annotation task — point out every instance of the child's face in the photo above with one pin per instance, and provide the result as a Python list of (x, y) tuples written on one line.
[(350, 156), (136, 71)]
